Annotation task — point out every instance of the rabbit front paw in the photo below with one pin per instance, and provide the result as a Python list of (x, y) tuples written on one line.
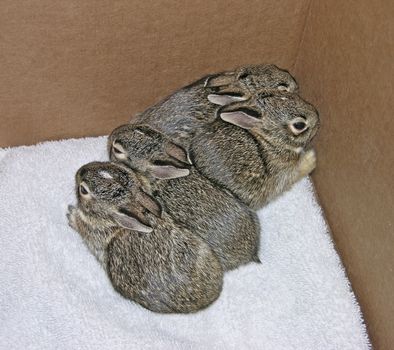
[(72, 217)]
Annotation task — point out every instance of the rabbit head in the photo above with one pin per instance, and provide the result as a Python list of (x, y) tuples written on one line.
[(149, 151), (238, 85), (112, 192), (280, 118)]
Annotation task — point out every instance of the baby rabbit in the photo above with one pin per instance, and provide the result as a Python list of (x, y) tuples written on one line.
[(248, 80), (148, 258), (256, 149), (229, 227), (180, 114)]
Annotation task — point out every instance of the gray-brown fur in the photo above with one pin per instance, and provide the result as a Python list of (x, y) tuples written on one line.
[(183, 112), (248, 80), (251, 148), (148, 257), (229, 227)]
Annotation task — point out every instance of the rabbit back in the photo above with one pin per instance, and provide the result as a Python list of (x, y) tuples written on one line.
[(168, 270), (180, 114), (230, 228)]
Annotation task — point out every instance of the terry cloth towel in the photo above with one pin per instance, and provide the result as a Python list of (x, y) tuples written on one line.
[(54, 294)]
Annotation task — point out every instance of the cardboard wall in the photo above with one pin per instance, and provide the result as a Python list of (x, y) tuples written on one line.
[(75, 68), (345, 66)]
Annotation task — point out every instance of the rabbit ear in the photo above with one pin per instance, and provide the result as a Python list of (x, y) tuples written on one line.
[(219, 79), (224, 99), (177, 152), (126, 219), (245, 118), (149, 203), (167, 171)]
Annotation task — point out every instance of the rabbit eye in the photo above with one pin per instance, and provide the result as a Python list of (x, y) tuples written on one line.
[(283, 87), (116, 150), (299, 125), (243, 76), (83, 190)]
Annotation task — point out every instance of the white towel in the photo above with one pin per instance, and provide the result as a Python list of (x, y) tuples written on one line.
[(54, 294)]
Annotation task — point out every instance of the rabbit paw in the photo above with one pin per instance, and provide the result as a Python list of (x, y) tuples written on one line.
[(307, 163), (72, 217)]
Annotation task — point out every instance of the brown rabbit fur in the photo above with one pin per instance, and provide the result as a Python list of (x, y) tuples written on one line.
[(257, 148), (229, 227), (148, 258), (180, 114)]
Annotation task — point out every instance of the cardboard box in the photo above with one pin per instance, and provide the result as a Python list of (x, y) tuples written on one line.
[(77, 68)]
